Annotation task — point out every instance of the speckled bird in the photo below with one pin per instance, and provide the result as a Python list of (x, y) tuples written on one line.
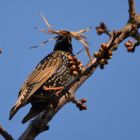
[(51, 75)]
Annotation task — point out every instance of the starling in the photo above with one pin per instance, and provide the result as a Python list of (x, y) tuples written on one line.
[(52, 74)]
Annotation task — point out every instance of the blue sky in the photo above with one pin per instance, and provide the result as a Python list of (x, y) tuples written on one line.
[(113, 93)]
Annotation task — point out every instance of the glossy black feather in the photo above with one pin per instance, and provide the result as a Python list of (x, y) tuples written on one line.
[(53, 71)]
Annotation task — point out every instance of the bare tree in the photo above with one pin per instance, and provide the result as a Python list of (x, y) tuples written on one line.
[(100, 59)]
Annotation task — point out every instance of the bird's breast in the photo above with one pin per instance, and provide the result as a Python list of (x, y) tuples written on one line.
[(64, 75)]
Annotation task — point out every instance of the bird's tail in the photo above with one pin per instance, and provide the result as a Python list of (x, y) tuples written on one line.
[(34, 111), (13, 111), (20, 103)]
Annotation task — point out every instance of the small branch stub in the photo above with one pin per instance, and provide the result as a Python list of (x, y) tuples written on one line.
[(5, 134), (132, 12), (0, 50)]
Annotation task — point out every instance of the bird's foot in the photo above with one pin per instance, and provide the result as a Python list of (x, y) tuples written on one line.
[(57, 93)]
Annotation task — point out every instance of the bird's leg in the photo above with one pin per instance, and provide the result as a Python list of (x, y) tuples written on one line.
[(79, 103), (58, 92), (53, 88)]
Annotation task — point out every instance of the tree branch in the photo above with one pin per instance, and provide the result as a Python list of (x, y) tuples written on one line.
[(132, 12), (40, 123), (5, 134)]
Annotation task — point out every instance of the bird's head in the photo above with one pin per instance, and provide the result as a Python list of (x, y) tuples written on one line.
[(64, 38), (63, 43)]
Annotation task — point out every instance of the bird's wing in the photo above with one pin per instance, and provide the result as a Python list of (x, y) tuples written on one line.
[(36, 79), (41, 74)]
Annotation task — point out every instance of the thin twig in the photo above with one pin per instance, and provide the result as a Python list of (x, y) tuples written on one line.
[(5, 134), (0, 50), (132, 12)]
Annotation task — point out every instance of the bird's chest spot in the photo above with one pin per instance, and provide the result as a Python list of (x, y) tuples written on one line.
[(66, 73)]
